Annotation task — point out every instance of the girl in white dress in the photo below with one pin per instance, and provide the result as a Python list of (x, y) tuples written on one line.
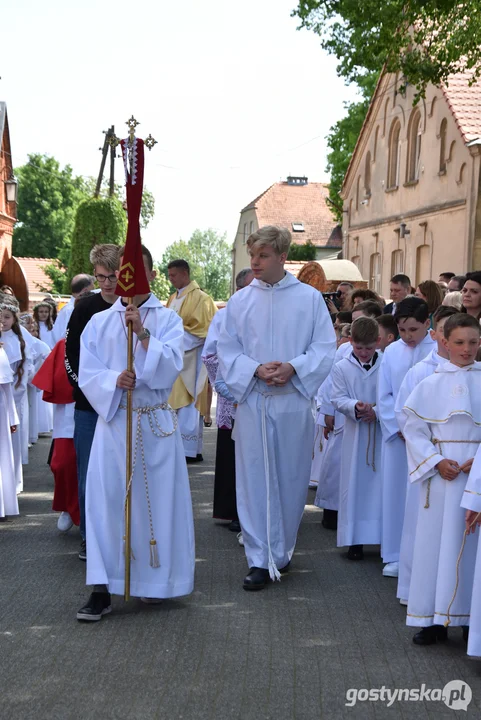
[(16, 351), (42, 312), (8, 426)]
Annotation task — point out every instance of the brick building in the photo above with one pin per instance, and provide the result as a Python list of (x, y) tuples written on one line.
[(412, 192), (8, 210)]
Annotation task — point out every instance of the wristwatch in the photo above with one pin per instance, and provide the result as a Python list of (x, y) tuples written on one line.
[(143, 334)]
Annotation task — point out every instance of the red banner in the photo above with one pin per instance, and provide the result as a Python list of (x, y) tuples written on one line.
[(132, 278)]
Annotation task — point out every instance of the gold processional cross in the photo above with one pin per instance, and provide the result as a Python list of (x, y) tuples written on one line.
[(149, 143)]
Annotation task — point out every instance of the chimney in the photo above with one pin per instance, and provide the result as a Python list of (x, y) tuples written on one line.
[(296, 180)]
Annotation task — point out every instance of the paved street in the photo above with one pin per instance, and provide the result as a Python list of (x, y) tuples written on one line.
[(290, 652)]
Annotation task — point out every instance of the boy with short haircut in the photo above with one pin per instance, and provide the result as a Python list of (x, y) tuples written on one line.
[(275, 349), (368, 308), (327, 495), (412, 318), (388, 332), (354, 381), (420, 371), (443, 434)]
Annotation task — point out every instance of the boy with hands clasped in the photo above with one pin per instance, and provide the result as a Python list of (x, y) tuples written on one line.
[(275, 348), (443, 434), (354, 381)]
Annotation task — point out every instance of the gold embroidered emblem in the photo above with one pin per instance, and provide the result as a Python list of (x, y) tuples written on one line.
[(126, 277)]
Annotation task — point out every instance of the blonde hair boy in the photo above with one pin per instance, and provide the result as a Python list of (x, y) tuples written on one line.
[(278, 238)]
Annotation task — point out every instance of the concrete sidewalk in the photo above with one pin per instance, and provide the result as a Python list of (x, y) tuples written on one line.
[(289, 652)]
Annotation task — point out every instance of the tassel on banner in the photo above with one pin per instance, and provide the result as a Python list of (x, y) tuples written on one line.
[(154, 554)]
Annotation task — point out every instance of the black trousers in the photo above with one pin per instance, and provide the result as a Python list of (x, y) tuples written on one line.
[(225, 503)]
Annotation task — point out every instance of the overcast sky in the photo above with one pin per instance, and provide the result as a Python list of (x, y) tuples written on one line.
[(236, 97)]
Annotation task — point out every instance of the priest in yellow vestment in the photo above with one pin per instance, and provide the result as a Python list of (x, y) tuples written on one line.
[(189, 394)]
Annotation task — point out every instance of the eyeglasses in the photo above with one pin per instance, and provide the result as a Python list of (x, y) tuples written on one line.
[(102, 278)]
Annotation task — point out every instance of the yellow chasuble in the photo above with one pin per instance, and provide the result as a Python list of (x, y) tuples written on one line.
[(196, 310)]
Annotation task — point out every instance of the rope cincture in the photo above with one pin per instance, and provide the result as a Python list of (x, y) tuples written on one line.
[(436, 441), (373, 463), (458, 562), (274, 573), (158, 432), (318, 430)]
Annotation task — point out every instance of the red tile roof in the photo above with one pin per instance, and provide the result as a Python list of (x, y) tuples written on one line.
[(294, 266), (36, 277), (283, 204), (465, 104)]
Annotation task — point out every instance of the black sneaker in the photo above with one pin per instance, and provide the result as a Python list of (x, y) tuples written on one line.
[(83, 551), (98, 605)]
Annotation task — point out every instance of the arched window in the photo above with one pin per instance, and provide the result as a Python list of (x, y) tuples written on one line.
[(397, 262), (367, 176), (376, 138), (394, 155), (442, 146), (423, 263), (414, 147), (357, 192), (386, 105), (375, 273)]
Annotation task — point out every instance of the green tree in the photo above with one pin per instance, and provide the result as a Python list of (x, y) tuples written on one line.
[(98, 220), (47, 200), (147, 210), (160, 286), (424, 41), (56, 273), (302, 252), (209, 256)]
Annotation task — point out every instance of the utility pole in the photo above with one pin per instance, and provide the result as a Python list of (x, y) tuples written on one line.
[(112, 164), (105, 150)]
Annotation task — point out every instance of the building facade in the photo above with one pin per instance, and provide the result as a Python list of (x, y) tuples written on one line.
[(412, 193), (297, 204), (8, 210)]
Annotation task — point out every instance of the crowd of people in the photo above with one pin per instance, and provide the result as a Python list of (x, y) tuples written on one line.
[(397, 431), (375, 406)]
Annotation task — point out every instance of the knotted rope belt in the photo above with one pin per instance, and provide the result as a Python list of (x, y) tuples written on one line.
[(371, 464), (318, 431), (274, 573), (159, 432), (435, 441)]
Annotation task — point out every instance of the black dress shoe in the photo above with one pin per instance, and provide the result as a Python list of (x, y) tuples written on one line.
[(465, 629), (329, 519), (285, 569), (355, 552), (234, 526), (198, 458), (98, 605), (256, 579), (431, 635)]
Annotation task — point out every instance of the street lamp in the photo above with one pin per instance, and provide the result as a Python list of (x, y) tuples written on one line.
[(11, 188)]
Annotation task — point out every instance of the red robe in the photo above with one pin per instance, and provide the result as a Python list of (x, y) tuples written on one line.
[(52, 379)]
